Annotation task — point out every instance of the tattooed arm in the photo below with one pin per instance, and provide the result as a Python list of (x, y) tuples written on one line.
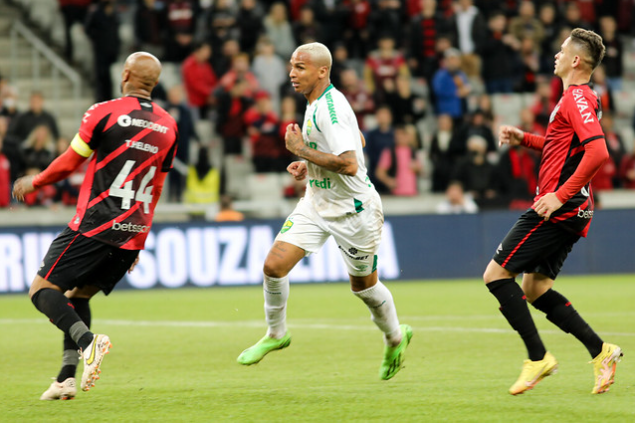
[(345, 163)]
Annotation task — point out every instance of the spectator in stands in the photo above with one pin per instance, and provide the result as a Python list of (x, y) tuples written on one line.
[(222, 60), (5, 177), (484, 104), (589, 9), (150, 23), (457, 201), (279, 31), (249, 22), (382, 64), (181, 27), (526, 25), (516, 177), (529, 66), (399, 166), (470, 30), (332, 18), (474, 125), (22, 125), (12, 149), (528, 122), (177, 108), (440, 154), (573, 17), (499, 55), (407, 107), (377, 140), (357, 95), (232, 105), (221, 23), (102, 27), (268, 151), (543, 104), (288, 114), (9, 102), (73, 11), (476, 173), (240, 71), (605, 176), (356, 34), (341, 62), (601, 87), (614, 144), (270, 70), (613, 58), (227, 212), (627, 171), (385, 20), (549, 21), (424, 30), (38, 149), (199, 79), (450, 86), (306, 29)]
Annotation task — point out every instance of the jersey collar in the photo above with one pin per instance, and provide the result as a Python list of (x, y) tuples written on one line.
[(325, 91)]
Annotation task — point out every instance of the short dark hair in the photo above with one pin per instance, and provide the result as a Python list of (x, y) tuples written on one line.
[(591, 44)]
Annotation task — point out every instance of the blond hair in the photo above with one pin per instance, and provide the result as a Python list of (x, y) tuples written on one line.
[(319, 53)]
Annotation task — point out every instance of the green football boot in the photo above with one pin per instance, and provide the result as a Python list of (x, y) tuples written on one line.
[(257, 352), (394, 356)]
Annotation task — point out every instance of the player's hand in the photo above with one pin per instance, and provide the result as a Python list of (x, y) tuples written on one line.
[(546, 205), (134, 264), (298, 170), (509, 135), (293, 138), (23, 186)]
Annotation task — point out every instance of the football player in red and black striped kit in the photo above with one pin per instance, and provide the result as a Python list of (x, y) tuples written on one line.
[(538, 244), (131, 142)]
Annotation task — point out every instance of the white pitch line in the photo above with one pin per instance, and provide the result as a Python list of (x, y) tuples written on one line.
[(261, 324)]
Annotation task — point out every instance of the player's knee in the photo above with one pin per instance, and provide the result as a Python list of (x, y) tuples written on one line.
[(495, 272), (274, 269)]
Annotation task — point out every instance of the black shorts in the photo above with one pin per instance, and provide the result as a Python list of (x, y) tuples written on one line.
[(74, 260), (534, 245)]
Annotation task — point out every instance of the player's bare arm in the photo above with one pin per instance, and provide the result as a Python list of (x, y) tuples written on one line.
[(345, 163), (298, 170)]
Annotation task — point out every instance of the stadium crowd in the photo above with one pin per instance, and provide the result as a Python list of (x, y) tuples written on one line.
[(419, 74)]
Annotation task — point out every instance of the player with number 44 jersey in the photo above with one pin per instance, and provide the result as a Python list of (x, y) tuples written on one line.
[(131, 142)]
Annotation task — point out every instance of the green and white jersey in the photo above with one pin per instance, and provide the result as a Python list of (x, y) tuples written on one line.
[(330, 126)]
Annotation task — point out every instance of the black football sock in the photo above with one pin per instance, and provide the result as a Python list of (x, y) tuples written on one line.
[(562, 314), (71, 356), (61, 313), (514, 307)]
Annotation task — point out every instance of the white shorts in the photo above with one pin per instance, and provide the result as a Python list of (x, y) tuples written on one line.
[(357, 235)]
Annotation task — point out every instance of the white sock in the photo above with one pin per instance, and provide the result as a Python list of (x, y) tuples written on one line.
[(379, 301), (276, 292)]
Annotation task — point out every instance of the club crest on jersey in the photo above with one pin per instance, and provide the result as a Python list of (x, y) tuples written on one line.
[(286, 226), (309, 127)]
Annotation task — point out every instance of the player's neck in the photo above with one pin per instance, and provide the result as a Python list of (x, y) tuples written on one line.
[(318, 90), (575, 78)]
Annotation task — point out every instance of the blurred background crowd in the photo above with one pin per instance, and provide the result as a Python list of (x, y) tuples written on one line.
[(430, 82)]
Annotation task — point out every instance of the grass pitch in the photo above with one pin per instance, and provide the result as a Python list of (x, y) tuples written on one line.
[(174, 358)]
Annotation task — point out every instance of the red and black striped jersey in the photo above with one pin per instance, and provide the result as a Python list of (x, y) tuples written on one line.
[(133, 143), (573, 124)]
